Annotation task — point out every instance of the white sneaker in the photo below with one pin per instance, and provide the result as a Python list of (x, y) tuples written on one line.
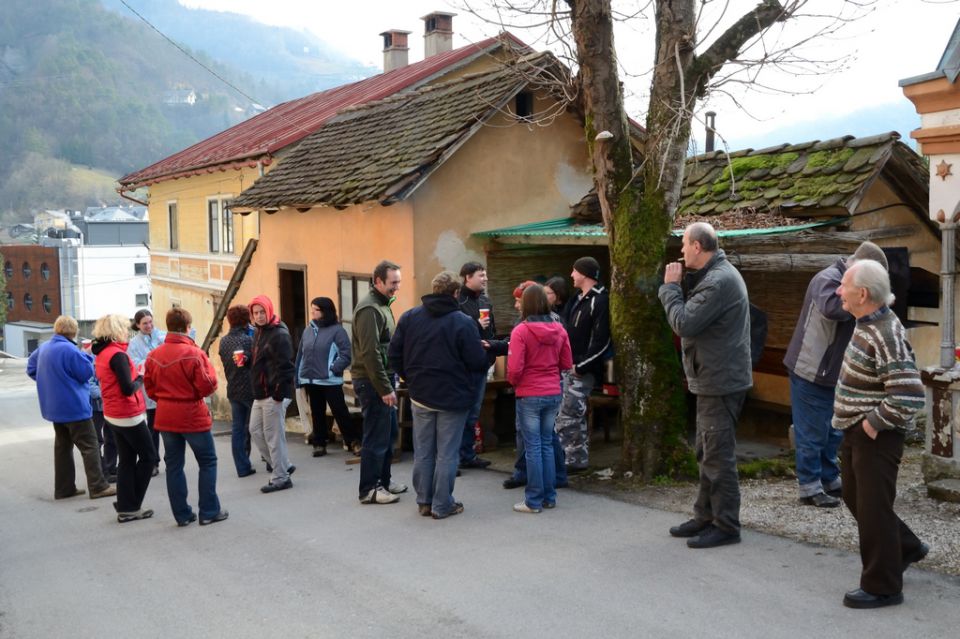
[(523, 508), (379, 496), (396, 487)]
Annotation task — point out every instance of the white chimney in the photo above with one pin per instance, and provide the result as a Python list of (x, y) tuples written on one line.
[(437, 33), (395, 49)]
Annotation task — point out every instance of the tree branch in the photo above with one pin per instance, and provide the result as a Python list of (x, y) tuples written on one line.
[(727, 46)]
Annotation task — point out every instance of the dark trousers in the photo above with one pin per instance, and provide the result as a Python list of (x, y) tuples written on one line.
[(82, 435), (718, 500), (321, 396), (108, 456), (138, 458), (240, 436), (154, 433), (379, 431), (869, 472)]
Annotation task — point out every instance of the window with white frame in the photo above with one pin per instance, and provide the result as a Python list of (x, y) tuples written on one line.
[(173, 226), (139, 268), (219, 226), (213, 225), (227, 225), (142, 299), (352, 287)]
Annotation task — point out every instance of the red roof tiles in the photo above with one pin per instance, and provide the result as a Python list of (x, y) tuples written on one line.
[(289, 122)]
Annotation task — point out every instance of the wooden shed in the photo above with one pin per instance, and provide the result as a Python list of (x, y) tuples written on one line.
[(782, 213)]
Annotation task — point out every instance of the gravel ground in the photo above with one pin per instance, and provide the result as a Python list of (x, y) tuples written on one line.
[(771, 506)]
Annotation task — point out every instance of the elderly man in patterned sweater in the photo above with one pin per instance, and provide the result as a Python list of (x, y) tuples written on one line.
[(878, 393)]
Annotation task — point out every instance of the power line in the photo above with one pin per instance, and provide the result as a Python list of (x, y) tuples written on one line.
[(189, 55)]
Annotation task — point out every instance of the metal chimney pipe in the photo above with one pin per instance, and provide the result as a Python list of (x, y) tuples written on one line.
[(711, 122)]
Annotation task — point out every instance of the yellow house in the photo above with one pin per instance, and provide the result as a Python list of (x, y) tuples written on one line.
[(196, 245)]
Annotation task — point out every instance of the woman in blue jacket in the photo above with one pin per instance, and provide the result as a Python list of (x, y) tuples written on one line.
[(323, 355)]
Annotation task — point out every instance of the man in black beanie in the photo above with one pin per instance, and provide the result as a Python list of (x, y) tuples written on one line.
[(587, 319)]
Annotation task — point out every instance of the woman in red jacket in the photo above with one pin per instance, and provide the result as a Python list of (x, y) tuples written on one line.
[(539, 353), (125, 414), (178, 376)]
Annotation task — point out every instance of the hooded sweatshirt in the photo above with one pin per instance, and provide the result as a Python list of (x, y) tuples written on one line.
[(271, 366), (436, 350), (539, 353)]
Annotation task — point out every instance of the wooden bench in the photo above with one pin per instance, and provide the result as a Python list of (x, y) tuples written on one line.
[(610, 403)]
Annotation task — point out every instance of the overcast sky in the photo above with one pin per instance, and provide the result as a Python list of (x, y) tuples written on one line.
[(897, 39)]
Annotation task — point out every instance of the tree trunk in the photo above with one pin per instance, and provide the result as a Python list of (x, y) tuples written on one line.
[(638, 221)]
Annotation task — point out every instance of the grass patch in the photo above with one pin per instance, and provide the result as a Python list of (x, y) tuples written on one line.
[(770, 467)]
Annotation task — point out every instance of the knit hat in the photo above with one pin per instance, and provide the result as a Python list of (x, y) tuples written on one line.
[(870, 251), (518, 292), (588, 267)]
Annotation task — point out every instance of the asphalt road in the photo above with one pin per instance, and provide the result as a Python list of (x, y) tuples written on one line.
[(313, 562)]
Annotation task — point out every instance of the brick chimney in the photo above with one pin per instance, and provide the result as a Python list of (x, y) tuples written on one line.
[(437, 33), (395, 49)]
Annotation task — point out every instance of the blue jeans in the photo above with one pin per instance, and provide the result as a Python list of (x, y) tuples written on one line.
[(174, 446), (380, 429), (436, 440), (816, 440), (559, 458), (240, 436), (467, 452), (537, 417)]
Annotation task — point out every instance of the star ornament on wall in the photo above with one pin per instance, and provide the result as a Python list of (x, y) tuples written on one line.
[(943, 170)]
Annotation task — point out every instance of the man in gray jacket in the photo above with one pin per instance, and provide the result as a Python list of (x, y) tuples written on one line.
[(813, 360), (713, 322)]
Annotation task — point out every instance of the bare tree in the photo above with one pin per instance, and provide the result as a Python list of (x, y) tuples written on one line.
[(639, 195)]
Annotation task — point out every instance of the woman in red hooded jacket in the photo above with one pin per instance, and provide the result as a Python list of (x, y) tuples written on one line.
[(539, 353), (179, 376)]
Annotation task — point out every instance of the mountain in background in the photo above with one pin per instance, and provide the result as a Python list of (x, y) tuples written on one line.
[(296, 62), (84, 87)]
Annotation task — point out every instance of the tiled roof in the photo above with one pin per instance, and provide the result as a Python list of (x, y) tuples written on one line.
[(288, 123), (797, 180), (381, 150)]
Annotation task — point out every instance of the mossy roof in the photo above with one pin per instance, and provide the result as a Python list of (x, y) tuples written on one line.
[(381, 150), (798, 180)]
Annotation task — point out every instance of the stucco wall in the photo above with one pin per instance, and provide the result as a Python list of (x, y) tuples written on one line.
[(508, 173)]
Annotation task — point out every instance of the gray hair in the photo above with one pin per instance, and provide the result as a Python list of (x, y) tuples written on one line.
[(703, 233), (870, 251), (871, 276)]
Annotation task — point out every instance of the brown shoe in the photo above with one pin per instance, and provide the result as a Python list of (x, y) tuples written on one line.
[(109, 491), (76, 493)]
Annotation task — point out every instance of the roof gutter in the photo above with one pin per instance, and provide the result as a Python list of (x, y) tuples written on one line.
[(122, 194)]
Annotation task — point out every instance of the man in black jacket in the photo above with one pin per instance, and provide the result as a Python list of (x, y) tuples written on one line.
[(437, 351), (587, 319), (271, 375), (475, 304)]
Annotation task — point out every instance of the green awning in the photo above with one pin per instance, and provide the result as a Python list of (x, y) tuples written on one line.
[(567, 230)]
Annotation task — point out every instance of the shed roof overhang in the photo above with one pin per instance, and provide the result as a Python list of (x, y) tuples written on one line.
[(567, 231)]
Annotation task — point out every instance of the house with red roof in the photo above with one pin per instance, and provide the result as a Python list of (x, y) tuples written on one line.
[(197, 244)]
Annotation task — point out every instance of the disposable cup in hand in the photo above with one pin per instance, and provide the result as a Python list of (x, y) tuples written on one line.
[(239, 358), (484, 313)]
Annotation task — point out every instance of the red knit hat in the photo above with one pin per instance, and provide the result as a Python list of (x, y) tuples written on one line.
[(518, 292)]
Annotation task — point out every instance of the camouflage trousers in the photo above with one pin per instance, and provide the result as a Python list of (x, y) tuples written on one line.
[(572, 419)]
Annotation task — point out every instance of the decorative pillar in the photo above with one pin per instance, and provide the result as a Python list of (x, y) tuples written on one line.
[(941, 456)]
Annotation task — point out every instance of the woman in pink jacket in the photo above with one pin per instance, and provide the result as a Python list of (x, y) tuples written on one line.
[(539, 352)]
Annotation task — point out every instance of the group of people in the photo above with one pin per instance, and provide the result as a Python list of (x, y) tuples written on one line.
[(853, 380), (854, 386)]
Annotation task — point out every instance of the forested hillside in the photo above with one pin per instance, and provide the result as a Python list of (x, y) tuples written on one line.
[(83, 86)]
